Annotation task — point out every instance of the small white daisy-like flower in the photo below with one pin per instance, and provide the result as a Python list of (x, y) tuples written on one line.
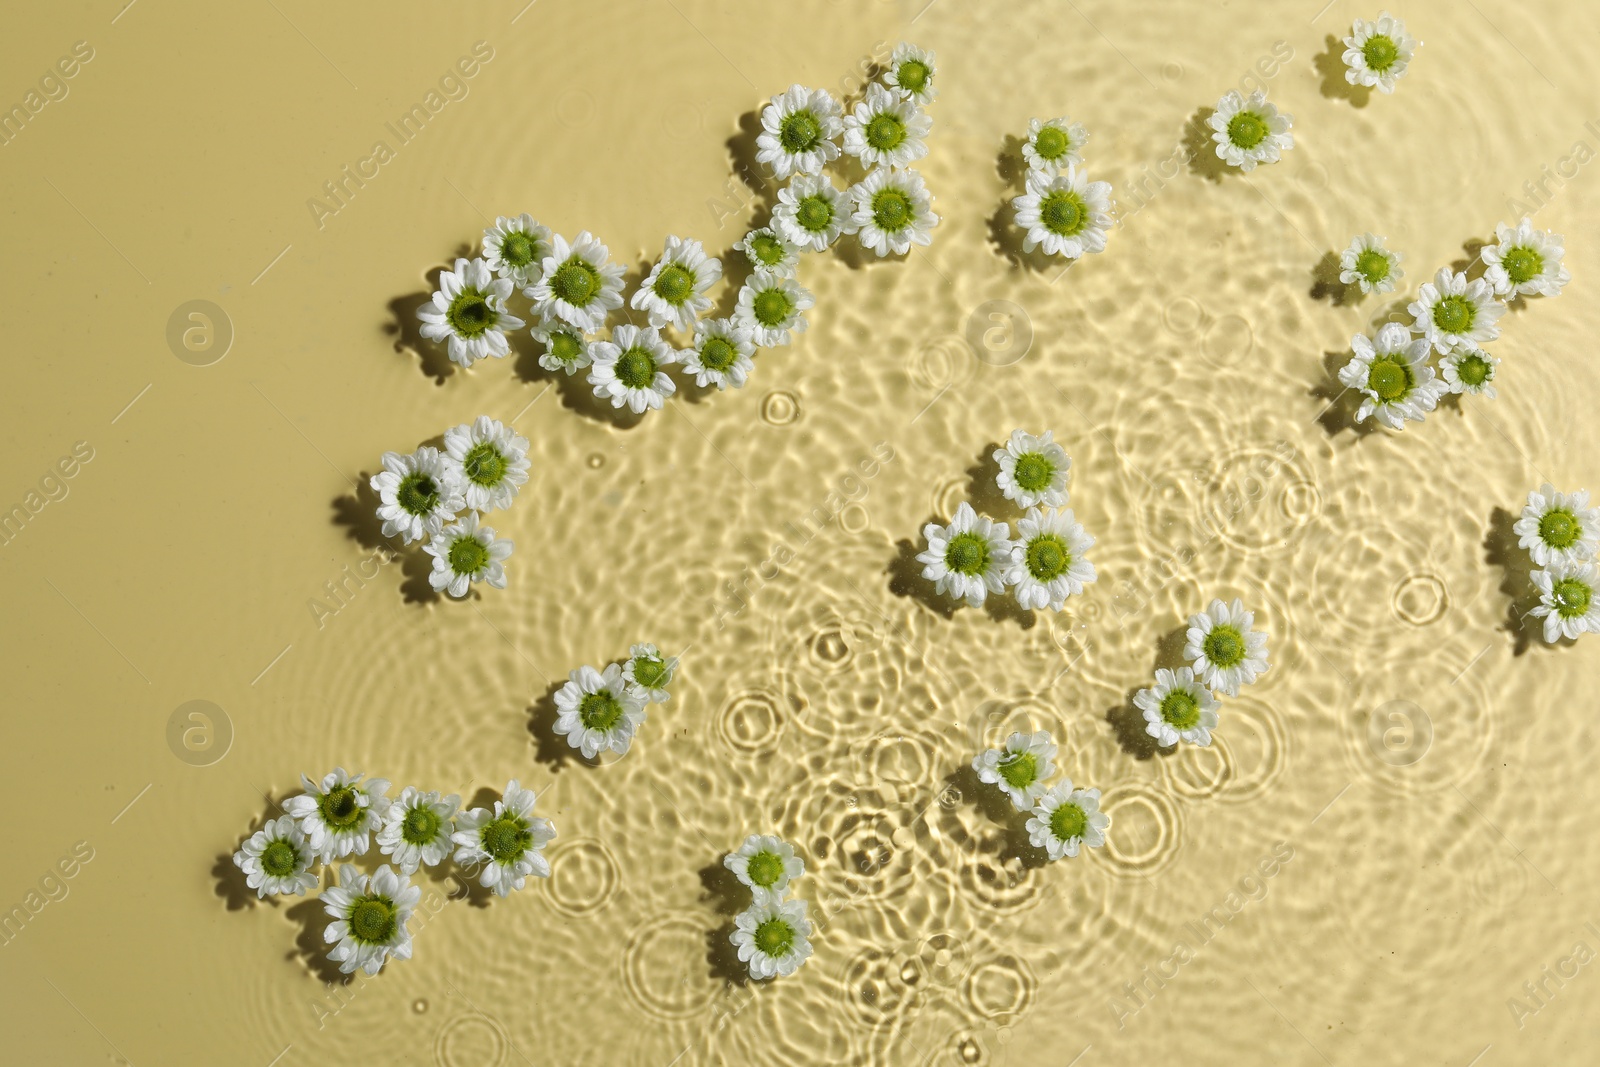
[(417, 494), (1067, 215), (1019, 768), (1250, 131), (1369, 265), (1066, 819), (675, 292), (515, 249), (767, 865), (967, 559), (1392, 373), (507, 843), (649, 672), (1047, 563), (577, 283), (721, 353), (277, 859), (1451, 310), (417, 828), (886, 130), (773, 938), (465, 554), (628, 369), (1053, 145), (1525, 261), (490, 461), (1225, 651), (910, 73), (769, 252), (1558, 527), (1179, 708), (599, 710), (1567, 600), (1376, 53), (1469, 369), (812, 212), (469, 313), (799, 132), (566, 348), (338, 814), (892, 210), (771, 308), (369, 918), (1033, 470)]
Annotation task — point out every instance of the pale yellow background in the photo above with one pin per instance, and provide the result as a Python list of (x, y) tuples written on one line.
[(1184, 369)]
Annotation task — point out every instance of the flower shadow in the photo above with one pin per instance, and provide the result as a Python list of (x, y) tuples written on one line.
[(1341, 403), (1502, 549), (742, 151), (996, 807), (723, 958), (723, 890), (1010, 164), (232, 887), (310, 947), (578, 395), (1329, 63), (1006, 237), (983, 485), (1325, 283), (551, 748), (1471, 263), (1169, 649), (905, 579), (1201, 150), (1128, 725), (406, 329)]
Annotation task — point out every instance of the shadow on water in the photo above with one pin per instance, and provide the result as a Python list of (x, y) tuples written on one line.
[(905, 579), (1501, 549), (1201, 150), (1329, 63), (1340, 403)]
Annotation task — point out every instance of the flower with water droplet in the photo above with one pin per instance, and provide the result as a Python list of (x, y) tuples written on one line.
[(1033, 470), (886, 130), (417, 828), (721, 354), (598, 710), (1066, 819), (1250, 131), (1469, 369), (507, 843), (338, 815), (773, 938), (1377, 53), (277, 859), (893, 211), (910, 73), (566, 348), (417, 494), (1178, 708), (770, 252), (1558, 527), (1066, 216), (515, 248), (489, 461), (1047, 560), (967, 559), (628, 369), (799, 132), (767, 865), (369, 918), (649, 673), (465, 554), (771, 308), (1391, 371), (1525, 261), (469, 313), (1053, 145), (1226, 652), (1450, 310), (1370, 266), (1567, 600), (812, 212), (674, 294), (1019, 768), (577, 283)]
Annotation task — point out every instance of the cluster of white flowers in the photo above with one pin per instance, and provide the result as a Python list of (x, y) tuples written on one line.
[(1561, 533), (1063, 212), (1061, 818), (773, 935), (974, 555), (1226, 653), (1453, 317), (440, 497), (341, 815), (602, 710)]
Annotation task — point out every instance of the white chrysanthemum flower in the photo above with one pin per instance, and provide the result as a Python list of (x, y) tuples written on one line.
[(277, 859), (1469, 369), (799, 131), (769, 252), (1376, 53), (767, 865), (773, 938), (886, 130), (338, 814), (417, 828), (566, 348), (1019, 768), (417, 494), (675, 292), (910, 73), (649, 672), (1525, 261), (1450, 310), (599, 710), (628, 369), (1369, 265), (967, 559), (892, 210), (507, 843), (1067, 215), (1567, 600), (469, 313), (1033, 470), (1066, 819), (1250, 131), (1225, 651), (515, 249), (721, 354), (812, 212), (369, 918), (771, 307), (1047, 563), (1179, 708), (1558, 527), (577, 283), (467, 553), (489, 460), (1053, 145), (1393, 376)]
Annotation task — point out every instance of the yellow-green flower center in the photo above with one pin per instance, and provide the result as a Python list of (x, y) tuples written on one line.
[(1051, 143), (1380, 52), (1455, 314), (469, 313), (1474, 370), (373, 920), (814, 213), (885, 131), (1180, 710), (765, 868), (1522, 264), (517, 249), (1570, 597), (1068, 821), (417, 494), (505, 839), (421, 825), (576, 282), (717, 354), (767, 248), (891, 210), (1224, 646), (565, 347), (279, 859), (1019, 770), (1391, 378), (1372, 265), (650, 672), (484, 464), (468, 555), (1560, 528), (774, 937), (674, 284), (772, 307), (913, 75), (341, 807), (1247, 129), (967, 553), (1063, 212), (1033, 472), (1048, 557), (600, 711), (799, 132), (636, 368)]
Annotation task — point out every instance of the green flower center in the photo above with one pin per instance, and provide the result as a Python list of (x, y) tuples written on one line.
[(674, 284), (468, 555), (717, 354), (484, 464), (576, 282), (1181, 710), (1068, 821), (280, 859), (1051, 143), (1033, 472), (373, 920), (1454, 314), (341, 807), (516, 249), (566, 347), (417, 495), (1474, 370), (814, 213), (1373, 266), (1019, 769), (1391, 378), (774, 937), (650, 672), (1522, 264), (799, 132), (772, 307), (885, 131), (1063, 213), (470, 313), (1048, 557), (1560, 529), (1571, 598), (1380, 52), (421, 825), (506, 838), (636, 369), (967, 553), (891, 210), (765, 868), (1247, 129), (1224, 646), (768, 249), (600, 711), (913, 75)]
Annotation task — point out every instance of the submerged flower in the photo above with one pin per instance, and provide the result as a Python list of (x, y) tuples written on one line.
[(599, 710), (812, 212), (1376, 53), (1369, 265), (910, 73), (1033, 470), (1019, 768), (1047, 563), (1067, 215), (1450, 310), (465, 554), (469, 313), (1567, 600), (1225, 651), (1250, 131), (628, 368), (767, 865), (892, 211), (966, 560), (773, 938), (649, 673), (490, 461), (1558, 527), (886, 130), (417, 828), (675, 292), (339, 813), (277, 859), (1053, 145), (1393, 375), (769, 252), (771, 307), (566, 348), (370, 917), (417, 494), (1469, 369), (1066, 819), (577, 283), (721, 353), (1179, 708), (515, 248), (798, 132), (508, 842), (1525, 261)]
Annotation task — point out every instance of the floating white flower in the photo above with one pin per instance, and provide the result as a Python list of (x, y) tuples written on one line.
[(1450, 310), (1369, 265), (1179, 708), (769, 252), (1033, 470), (1393, 376), (369, 918), (1047, 563), (773, 938), (338, 814), (967, 559), (675, 292), (599, 710), (771, 307), (1053, 145), (417, 828), (1469, 369), (1225, 651), (467, 553), (566, 348), (469, 313), (1376, 53), (799, 131), (515, 249), (417, 494), (628, 368), (649, 673), (1067, 215), (1558, 527), (277, 859), (886, 130), (1567, 600), (812, 212), (1250, 131), (721, 353), (1525, 261), (1066, 819), (489, 460), (892, 211), (577, 283), (1019, 768), (767, 865), (507, 843), (910, 73)]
